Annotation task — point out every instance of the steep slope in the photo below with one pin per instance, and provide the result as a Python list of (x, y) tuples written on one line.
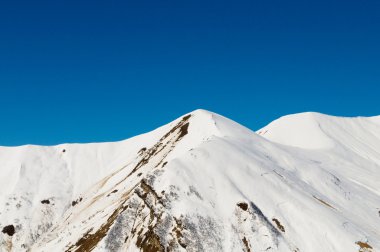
[(200, 183)]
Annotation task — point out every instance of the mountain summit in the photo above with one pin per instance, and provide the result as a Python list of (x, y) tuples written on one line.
[(306, 182)]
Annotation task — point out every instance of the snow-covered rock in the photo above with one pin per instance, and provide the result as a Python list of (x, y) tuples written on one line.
[(305, 182)]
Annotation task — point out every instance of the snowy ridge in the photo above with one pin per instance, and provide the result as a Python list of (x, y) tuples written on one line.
[(317, 131), (305, 182)]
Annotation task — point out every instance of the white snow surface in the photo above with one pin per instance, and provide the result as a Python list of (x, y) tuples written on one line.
[(306, 182)]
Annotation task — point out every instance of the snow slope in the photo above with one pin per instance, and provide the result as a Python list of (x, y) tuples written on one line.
[(305, 182)]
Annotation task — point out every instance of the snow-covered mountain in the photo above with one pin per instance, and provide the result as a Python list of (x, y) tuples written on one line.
[(306, 182)]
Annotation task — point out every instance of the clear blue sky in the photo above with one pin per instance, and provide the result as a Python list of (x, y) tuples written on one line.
[(85, 71)]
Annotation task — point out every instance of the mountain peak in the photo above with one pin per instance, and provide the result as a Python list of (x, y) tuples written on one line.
[(199, 183), (301, 130), (316, 131)]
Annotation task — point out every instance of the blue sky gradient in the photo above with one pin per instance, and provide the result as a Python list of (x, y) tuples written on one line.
[(92, 71)]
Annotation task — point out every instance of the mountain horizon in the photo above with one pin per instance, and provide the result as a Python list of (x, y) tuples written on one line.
[(300, 114)]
